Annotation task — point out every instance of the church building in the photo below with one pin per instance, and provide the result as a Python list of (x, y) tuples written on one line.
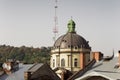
[(70, 51), (72, 59)]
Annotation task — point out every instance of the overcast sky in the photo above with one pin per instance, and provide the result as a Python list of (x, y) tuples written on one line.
[(30, 22)]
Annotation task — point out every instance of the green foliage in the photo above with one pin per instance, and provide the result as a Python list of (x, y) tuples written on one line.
[(25, 54)]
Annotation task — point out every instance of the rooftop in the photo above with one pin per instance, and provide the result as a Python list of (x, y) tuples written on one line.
[(35, 67), (18, 75), (105, 69)]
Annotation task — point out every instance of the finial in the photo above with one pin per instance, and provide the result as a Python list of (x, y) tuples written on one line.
[(71, 17)]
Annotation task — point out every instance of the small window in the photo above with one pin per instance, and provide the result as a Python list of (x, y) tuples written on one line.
[(53, 62), (62, 62), (75, 47), (68, 46), (75, 62), (64, 40)]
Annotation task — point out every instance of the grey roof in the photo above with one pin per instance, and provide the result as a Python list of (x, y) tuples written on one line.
[(42, 69), (17, 75), (35, 67), (105, 69), (43, 72), (71, 40)]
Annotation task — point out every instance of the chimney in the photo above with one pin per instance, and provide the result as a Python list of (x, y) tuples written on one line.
[(119, 57), (27, 75), (97, 56)]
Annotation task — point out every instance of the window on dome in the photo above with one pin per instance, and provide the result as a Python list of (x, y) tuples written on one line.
[(75, 62), (68, 46), (62, 62), (75, 47), (64, 40)]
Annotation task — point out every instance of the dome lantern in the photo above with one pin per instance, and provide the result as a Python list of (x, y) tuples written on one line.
[(71, 26)]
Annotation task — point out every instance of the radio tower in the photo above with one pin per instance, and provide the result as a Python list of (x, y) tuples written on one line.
[(55, 29)]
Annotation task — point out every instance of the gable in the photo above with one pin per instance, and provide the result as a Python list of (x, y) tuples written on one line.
[(43, 72)]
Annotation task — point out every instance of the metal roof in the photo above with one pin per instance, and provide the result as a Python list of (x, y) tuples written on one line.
[(105, 69), (71, 40), (35, 67), (17, 75)]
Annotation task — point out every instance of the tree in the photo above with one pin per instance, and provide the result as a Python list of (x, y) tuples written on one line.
[(25, 54)]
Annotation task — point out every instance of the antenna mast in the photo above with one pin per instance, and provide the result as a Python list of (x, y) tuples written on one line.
[(55, 29)]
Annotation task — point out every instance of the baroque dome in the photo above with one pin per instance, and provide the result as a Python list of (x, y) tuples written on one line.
[(71, 39)]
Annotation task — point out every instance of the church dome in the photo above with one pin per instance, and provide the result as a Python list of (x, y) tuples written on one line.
[(71, 39)]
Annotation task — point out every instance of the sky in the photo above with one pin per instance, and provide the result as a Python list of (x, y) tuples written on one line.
[(31, 22)]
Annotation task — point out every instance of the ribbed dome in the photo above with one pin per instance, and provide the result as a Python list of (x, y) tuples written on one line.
[(71, 39)]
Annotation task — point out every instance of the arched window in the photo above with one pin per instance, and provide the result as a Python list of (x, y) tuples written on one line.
[(62, 62), (75, 62), (53, 62)]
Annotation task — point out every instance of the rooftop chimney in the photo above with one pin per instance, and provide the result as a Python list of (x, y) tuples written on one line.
[(119, 56), (118, 64), (97, 56), (27, 75)]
